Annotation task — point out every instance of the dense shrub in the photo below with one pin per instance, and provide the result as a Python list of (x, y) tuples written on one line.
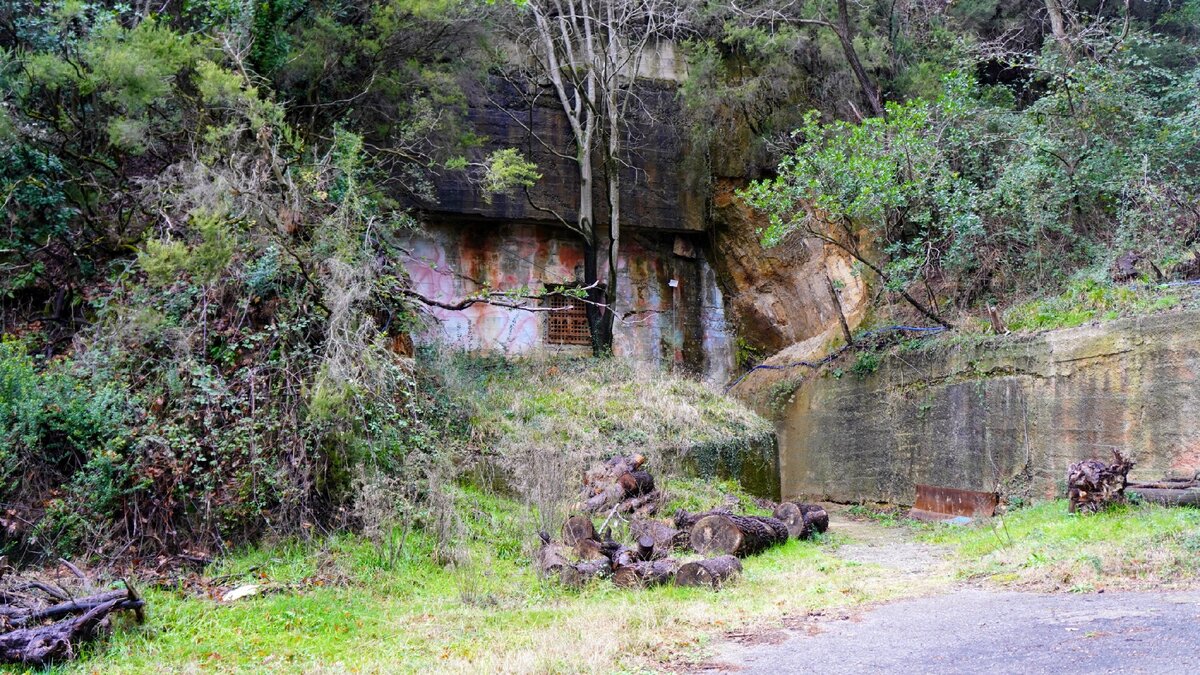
[(65, 449)]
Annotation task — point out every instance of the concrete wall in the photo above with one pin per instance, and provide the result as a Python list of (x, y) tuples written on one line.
[(1008, 415), (680, 324)]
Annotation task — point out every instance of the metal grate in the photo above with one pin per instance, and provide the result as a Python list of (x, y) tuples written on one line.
[(567, 324)]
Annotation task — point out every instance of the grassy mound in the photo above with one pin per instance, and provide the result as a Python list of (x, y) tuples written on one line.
[(570, 404), (538, 422)]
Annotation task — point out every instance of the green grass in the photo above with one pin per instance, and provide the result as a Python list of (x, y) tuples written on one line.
[(1044, 547), (337, 610)]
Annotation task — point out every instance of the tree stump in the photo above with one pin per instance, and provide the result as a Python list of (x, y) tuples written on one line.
[(1092, 484)]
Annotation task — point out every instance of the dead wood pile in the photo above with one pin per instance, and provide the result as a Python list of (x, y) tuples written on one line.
[(622, 485), (1092, 484), (651, 556), (43, 623)]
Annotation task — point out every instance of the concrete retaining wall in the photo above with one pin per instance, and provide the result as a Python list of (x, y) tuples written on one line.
[(1009, 414)]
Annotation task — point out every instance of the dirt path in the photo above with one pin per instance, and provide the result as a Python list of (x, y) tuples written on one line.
[(971, 629)]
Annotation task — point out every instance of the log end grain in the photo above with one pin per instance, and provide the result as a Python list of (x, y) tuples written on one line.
[(716, 534), (577, 528)]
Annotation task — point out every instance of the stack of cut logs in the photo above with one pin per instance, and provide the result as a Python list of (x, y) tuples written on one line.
[(43, 622), (653, 555)]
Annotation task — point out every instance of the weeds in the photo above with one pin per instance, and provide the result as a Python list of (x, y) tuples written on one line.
[(1090, 300)]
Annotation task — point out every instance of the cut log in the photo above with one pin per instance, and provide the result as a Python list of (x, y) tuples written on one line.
[(624, 556), (644, 505), (1168, 484), (665, 537), (589, 549), (645, 574), (605, 498), (816, 517), (685, 520), (577, 528), (802, 520), (1169, 497), (551, 557), (645, 547), (636, 483), (793, 517), (581, 573), (736, 535), (601, 475), (711, 573)]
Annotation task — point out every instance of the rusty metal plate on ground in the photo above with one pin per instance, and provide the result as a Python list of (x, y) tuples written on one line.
[(943, 502)]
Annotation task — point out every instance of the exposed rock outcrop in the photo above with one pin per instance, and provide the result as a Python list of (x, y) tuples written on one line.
[(779, 296)]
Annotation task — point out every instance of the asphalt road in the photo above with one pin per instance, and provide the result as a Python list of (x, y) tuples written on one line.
[(985, 631)]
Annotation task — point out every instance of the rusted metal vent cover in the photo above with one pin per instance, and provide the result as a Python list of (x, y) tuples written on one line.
[(937, 503)]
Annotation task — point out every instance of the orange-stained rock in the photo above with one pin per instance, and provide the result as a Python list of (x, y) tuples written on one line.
[(778, 296)]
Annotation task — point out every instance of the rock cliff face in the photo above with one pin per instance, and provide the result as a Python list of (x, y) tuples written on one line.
[(670, 309), (662, 189), (690, 259), (778, 296), (1010, 414)]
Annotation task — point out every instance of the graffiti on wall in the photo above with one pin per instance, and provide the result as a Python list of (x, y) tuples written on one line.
[(669, 310)]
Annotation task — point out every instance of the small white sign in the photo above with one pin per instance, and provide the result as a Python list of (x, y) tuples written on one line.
[(674, 283)]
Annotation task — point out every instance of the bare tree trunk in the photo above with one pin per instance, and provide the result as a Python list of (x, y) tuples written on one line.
[(845, 33), (590, 52), (837, 307), (1058, 26)]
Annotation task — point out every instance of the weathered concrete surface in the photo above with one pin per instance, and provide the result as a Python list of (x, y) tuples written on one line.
[(1009, 414), (670, 309)]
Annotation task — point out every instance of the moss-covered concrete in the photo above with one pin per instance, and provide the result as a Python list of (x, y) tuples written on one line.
[(1007, 414)]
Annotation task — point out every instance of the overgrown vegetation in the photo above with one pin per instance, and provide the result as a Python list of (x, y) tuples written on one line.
[(207, 327), (1082, 156)]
